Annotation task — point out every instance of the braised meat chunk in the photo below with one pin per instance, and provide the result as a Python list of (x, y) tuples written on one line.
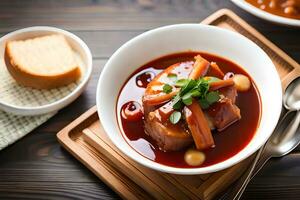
[(224, 113), (169, 137)]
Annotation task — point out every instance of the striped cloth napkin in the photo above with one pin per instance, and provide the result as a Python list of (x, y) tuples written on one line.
[(13, 127)]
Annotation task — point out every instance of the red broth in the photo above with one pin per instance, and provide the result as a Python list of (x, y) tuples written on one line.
[(227, 143)]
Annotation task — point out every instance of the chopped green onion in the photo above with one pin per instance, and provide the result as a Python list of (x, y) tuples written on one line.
[(177, 103), (167, 88), (181, 82), (189, 86), (175, 117), (172, 77), (212, 97), (195, 93), (198, 89), (212, 79), (187, 99), (203, 103)]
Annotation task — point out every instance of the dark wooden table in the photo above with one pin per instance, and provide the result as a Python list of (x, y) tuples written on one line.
[(37, 167)]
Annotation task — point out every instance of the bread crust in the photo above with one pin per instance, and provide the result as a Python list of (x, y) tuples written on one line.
[(39, 81)]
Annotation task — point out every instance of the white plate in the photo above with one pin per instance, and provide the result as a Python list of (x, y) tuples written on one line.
[(265, 15), (179, 38), (20, 100)]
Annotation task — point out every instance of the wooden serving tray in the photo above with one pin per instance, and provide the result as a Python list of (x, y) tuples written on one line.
[(87, 141)]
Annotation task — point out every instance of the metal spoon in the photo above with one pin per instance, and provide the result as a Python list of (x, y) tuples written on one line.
[(284, 139)]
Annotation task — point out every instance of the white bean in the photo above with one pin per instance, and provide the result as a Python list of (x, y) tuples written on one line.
[(242, 82), (290, 10), (194, 158)]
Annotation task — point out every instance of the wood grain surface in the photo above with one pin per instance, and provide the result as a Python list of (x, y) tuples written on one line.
[(37, 167)]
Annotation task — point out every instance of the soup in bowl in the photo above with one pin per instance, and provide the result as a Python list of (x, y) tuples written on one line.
[(189, 99)]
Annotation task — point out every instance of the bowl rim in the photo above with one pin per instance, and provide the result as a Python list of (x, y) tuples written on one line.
[(266, 15), (175, 170), (60, 103)]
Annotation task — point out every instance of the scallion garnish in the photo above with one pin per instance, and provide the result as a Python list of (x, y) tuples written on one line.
[(167, 88), (212, 97), (172, 77), (198, 89), (175, 117)]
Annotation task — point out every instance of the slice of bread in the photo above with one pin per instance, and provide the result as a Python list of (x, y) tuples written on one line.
[(43, 62)]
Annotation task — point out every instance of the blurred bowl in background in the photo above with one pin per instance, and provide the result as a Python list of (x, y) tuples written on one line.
[(266, 15)]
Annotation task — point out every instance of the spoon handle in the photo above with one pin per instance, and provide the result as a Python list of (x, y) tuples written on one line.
[(286, 125), (242, 183), (256, 167), (235, 189)]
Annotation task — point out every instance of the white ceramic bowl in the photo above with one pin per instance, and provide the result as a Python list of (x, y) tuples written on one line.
[(179, 38), (60, 101), (265, 15)]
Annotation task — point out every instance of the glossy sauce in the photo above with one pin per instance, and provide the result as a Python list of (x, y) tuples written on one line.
[(227, 143), (284, 8)]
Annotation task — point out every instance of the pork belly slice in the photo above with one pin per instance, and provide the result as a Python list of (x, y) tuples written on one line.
[(169, 137), (229, 92), (224, 113)]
